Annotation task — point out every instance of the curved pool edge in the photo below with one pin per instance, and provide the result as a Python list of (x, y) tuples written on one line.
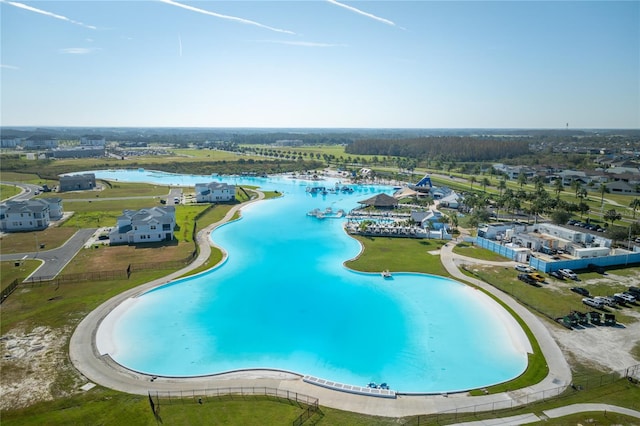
[(97, 368)]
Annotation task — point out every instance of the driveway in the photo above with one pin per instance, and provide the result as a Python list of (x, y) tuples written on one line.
[(56, 259)]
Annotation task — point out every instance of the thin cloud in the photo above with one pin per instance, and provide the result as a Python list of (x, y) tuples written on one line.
[(303, 43), (363, 13), (227, 17), (9, 67), (50, 14), (77, 50), (179, 46)]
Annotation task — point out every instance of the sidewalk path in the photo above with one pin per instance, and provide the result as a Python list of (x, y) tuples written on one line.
[(524, 419), (103, 370)]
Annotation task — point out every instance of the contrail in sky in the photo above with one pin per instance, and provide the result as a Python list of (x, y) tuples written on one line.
[(50, 14), (230, 18), (363, 13), (179, 45)]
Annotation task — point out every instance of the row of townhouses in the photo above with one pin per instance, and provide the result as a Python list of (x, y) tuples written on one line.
[(29, 215)]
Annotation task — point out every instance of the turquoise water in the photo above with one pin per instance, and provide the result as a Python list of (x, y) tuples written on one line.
[(284, 300)]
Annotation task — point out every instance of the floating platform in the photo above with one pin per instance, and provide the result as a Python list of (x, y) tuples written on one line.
[(359, 390)]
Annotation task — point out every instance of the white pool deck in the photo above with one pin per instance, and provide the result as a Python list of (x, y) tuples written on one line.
[(101, 370)]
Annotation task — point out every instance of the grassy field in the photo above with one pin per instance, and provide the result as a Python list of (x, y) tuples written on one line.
[(116, 190), (24, 242), (8, 191), (399, 255), (471, 250), (11, 272), (553, 298)]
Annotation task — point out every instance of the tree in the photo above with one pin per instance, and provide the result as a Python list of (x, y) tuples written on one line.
[(583, 208), (453, 217), (473, 180), (485, 182), (560, 217), (522, 179), (635, 205), (603, 189), (577, 186), (558, 187), (612, 215), (502, 185)]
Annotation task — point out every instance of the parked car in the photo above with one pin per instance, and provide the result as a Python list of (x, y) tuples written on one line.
[(557, 275), (626, 297), (620, 300), (593, 302), (635, 291), (527, 279), (523, 268), (537, 276), (609, 301), (580, 290), (568, 273)]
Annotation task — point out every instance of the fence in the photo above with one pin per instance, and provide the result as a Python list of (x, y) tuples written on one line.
[(579, 384), (9, 289), (157, 398)]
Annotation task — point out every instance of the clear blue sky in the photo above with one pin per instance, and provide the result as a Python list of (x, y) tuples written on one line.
[(421, 64)]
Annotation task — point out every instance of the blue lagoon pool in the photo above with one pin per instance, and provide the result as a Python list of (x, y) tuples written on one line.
[(283, 300)]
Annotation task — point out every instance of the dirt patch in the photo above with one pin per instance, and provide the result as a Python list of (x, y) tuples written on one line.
[(31, 363)]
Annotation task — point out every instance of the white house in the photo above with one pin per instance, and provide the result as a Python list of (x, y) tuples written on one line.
[(214, 192), (144, 226), (29, 215)]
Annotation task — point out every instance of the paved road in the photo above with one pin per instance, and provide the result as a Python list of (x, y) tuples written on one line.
[(28, 190), (56, 259)]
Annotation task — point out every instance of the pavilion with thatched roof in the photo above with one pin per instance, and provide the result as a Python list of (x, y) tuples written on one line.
[(381, 201)]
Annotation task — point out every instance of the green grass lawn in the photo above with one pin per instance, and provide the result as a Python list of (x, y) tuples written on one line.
[(8, 191), (24, 242), (398, 255), (471, 250), (11, 272), (116, 190)]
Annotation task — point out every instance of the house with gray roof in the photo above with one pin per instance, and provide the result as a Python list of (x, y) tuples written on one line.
[(144, 226), (29, 215), (215, 192)]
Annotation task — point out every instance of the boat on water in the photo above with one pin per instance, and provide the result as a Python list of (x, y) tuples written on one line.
[(386, 274)]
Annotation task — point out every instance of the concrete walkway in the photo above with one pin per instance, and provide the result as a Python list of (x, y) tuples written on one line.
[(103, 370), (567, 410)]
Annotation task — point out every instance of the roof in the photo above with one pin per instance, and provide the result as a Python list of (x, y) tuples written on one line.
[(380, 200)]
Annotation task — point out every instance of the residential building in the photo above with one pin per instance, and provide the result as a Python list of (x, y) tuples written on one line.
[(40, 142), (29, 215), (144, 226), (215, 192), (93, 141), (77, 182)]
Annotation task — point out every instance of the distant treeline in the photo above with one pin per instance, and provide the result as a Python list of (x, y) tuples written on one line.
[(448, 147)]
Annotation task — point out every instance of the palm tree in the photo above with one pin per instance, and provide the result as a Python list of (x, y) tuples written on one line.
[(558, 187), (635, 205), (485, 182), (502, 185), (603, 189), (473, 180), (522, 179), (577, 186)]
